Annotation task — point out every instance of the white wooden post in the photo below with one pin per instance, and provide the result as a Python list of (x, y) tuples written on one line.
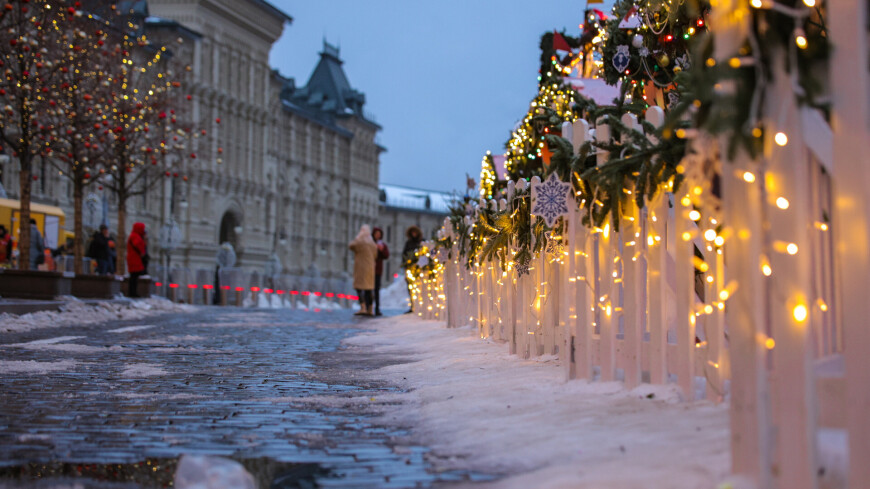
[(584, 291), (633, 305), (745, 314), (851, 125), (567, 281), (684, 253), (657, 283), (715, 328), (607, 299), (793, 381)]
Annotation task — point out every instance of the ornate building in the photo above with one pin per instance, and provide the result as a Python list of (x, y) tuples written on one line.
[(297, 169)]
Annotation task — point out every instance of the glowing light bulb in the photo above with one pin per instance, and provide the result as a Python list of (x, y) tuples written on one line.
[(791, 249), (695, 215), (800, 313), (755, 3), (719, 241), (748, 177), (801, 41), (766, 270), (724, 295), (810, 3), (710, 234), (782, 203), (781, 139), (769, 344)]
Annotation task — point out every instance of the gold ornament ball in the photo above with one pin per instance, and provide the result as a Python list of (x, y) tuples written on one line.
[(664, 60)]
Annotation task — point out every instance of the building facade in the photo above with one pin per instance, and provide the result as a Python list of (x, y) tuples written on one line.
[(399, 208), (287, 175)]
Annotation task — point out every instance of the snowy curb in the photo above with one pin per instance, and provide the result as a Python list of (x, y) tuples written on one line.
[(482, 409), (74, 311)]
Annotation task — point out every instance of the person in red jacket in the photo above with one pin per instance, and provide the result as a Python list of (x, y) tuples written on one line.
[(383, 254), (137, 257)]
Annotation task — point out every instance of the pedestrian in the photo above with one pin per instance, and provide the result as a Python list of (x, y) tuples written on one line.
[(226, 258), (5, 247), (383, 254), (37, 246), (113, 255), (414, 237), (137, 257), (99, 250), (365, 253)]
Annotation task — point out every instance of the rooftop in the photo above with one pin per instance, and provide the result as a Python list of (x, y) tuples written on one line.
[(415, 199)]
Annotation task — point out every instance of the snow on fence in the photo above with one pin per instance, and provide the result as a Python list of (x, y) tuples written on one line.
[(665, 300)]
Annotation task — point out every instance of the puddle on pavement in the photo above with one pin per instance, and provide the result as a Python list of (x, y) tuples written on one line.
[(238, 395), (156, 473)]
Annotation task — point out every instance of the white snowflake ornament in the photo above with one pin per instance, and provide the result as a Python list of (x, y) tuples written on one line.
[(550, 199), (554, 245)]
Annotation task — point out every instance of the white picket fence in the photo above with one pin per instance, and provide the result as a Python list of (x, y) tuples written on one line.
[(660, 302)]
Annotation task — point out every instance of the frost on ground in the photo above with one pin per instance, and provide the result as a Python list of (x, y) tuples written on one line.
[(34, 367), (74, 311), (483, 409), (136, 370)]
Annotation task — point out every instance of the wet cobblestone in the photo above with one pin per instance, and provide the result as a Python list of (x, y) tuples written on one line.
[(227, 382)]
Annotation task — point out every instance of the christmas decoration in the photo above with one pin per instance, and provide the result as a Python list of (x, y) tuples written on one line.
[(621, 58), (551, 199)]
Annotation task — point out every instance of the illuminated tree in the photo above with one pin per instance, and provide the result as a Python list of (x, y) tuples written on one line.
[(28, 39), (74, 117)]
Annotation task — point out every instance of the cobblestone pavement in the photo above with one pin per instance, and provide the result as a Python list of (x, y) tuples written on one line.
[(103, 405)]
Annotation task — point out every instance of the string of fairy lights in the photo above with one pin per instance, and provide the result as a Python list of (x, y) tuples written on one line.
[(661, 27)]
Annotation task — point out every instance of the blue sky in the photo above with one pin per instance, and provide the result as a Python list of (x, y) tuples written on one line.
[(446, 79)]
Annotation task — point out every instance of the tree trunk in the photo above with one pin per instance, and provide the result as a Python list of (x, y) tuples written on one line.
[(25, 184), (78, 227), (121, 242)]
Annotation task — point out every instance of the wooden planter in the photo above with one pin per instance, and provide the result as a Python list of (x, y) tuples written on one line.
[(145, 286), (33, 284), (95, 286)]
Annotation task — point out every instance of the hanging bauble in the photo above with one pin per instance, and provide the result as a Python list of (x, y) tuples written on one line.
[(664, 60), (637, 41), (621, 58)]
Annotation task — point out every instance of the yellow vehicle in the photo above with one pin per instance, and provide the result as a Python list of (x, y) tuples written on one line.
[(49, 220)]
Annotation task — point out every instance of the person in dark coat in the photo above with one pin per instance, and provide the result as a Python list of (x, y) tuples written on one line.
[(414, 237), (37, 246), (99, 250), (137, 257), (383, 254)]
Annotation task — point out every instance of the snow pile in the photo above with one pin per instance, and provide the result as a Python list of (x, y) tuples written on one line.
[(482, 409), (76, 312), (395, 295), (207, 472)]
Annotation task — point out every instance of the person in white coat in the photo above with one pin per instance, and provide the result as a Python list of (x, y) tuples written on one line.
[(365, 253)]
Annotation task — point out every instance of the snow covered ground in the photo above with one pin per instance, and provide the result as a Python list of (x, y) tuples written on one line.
[(74, 311), (483, 409)]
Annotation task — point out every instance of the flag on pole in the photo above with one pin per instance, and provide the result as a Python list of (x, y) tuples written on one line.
[(559, 42)]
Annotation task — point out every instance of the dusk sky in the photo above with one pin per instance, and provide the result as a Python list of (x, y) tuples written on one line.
[(447, 80)]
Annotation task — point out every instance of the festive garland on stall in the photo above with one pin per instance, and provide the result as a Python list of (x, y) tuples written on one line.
[(648, 161)]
